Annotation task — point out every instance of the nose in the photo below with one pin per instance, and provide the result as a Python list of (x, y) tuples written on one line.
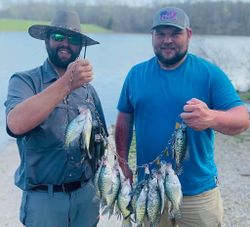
[(167, 39), (65, 42)]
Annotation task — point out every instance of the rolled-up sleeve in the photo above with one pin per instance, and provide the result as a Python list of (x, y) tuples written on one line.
[(20, 88)]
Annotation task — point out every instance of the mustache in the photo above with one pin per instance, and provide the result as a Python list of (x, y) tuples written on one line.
[(64, 48), (168, 45)]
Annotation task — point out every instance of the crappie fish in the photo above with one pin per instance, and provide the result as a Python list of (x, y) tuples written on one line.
[(153, 202), (135, 193), (105, 181), (112, 195), (141, 205), (87, 129), (160, 181), (179, 146), (75, 128), (173, 192), (124, 198), (96, 178)]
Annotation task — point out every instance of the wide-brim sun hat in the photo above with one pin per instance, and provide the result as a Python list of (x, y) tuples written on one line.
[(66, 21)]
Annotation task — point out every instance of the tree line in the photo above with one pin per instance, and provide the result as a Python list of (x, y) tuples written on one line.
[(217, 18)]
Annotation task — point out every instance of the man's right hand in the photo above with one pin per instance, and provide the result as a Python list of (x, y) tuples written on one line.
[(79, 73)]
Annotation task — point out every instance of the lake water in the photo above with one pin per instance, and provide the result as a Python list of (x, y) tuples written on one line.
[(114, 57)]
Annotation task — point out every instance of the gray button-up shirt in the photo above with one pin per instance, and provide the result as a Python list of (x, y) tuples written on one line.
[(44, 158)]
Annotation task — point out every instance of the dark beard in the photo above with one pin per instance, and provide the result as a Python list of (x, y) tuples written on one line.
[(52, 53), (171, 62)]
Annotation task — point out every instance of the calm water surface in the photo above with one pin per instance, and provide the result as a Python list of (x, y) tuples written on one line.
[(113, 58)]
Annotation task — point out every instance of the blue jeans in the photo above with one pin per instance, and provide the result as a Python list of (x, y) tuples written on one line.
[(79, 208)]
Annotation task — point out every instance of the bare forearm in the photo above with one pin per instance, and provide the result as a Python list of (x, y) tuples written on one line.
[(31, 112), (123, 135), (231, 122), (199, 117)]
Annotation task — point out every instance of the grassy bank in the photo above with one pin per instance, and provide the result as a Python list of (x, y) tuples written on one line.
[(11, 25), (245, 96)]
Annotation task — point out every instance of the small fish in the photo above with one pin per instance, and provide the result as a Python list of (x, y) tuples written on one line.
[(75, 128), (96, 178), (112, 195), (160, 181), (173, 192), (153, 202), (105, 181), (124, 198), (135, 193), (87, 129), (179, 146), (141, 205)]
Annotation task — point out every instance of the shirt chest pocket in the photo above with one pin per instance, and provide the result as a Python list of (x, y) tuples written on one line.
[(51, 132)]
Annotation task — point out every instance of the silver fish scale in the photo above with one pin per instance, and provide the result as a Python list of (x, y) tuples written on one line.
[(74, 129), (124, 198), (115, 186), (162, 191), (87, 129), (174, 193), (141, 204), (154, 202), (137, 187), (179, 146), (105, 180), (96, 180)]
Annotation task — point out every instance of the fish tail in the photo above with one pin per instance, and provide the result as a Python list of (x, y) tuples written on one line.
[(179, 170), (175, 214), (126, 222)]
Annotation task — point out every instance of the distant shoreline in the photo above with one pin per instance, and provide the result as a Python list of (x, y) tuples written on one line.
[(15, 25)]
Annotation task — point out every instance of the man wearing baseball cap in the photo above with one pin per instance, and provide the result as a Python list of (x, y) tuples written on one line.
[(41, 103), (176, 101)]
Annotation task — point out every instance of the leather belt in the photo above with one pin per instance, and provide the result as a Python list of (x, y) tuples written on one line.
[(66, 187)]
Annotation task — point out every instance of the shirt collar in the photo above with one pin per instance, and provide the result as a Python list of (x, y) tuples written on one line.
[(50, 73)]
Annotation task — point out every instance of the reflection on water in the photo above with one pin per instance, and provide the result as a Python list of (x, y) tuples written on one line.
[(114, 57)]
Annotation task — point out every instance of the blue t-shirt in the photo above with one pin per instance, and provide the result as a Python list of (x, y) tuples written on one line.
[(156, 98)]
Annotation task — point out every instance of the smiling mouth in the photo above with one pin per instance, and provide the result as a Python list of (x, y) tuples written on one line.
[(168, 50), (64, 53)]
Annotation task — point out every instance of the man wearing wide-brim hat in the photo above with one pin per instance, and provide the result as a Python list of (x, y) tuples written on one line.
[(40, 106)]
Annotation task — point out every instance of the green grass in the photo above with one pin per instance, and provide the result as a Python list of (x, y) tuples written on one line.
[(245, 95), (9, 25)]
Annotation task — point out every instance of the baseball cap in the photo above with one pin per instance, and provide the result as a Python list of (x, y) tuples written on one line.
[(171, 16)]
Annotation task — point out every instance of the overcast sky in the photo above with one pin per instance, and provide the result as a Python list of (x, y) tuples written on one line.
[(125, 2), (129, 2)]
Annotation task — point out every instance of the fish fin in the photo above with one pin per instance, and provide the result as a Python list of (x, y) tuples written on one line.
[(175, 214), (105, 210), (111, 210), (187, 153), (177, 125), (179, 170), (166, 152), (126, 222), (89, 155)]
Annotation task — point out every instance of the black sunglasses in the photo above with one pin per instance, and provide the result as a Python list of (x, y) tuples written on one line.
[(72, 38)]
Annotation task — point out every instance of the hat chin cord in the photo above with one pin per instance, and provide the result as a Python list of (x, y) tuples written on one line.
[(85, 50)]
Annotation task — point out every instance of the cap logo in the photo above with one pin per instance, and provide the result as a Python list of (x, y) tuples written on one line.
[(168, 15)]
